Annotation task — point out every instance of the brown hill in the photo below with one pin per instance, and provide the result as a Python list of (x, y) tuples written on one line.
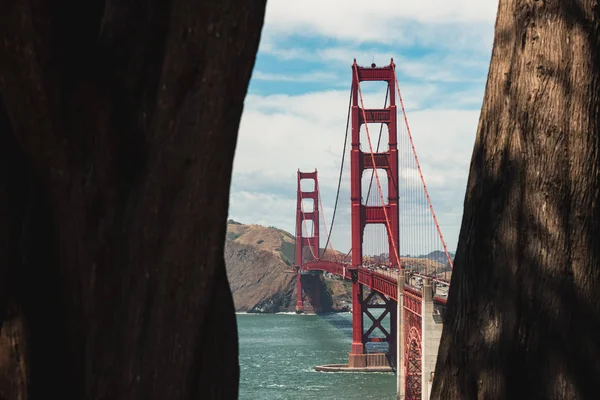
[(259, 264)]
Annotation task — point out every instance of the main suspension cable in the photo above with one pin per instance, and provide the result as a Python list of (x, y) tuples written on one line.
[(337, 196), (324, 222)]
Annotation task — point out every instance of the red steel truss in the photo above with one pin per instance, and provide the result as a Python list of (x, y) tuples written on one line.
[(412, 344), (412, 369)]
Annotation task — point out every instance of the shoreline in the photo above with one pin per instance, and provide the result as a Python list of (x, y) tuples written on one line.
[(289, 313)]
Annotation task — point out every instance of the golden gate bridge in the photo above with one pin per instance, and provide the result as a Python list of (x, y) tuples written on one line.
[(398, 261)]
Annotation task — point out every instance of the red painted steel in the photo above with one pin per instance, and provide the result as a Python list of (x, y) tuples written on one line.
[(358, 345), (412, 363), (388, 307), (360, 161), (381, 283), (412, 342), (412, 302), (328, 266), (301, 242), (362, 215), (357, 227)]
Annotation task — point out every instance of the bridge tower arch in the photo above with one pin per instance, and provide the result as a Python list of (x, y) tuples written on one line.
[(363, 215), (310, 242)]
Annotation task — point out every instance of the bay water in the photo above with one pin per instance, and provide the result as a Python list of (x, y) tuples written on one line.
[(278, 353)]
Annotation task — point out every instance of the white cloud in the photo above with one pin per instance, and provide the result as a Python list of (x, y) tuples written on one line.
[(436, 67), (444, 142), (249, 208), (375, 20), (316, 76)]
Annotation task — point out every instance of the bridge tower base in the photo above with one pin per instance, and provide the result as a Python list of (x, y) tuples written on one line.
[(359, 357), (430, 339), (419, 332), (400, 359), (299, 295)]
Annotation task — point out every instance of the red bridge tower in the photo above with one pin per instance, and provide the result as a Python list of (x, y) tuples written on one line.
[(310, 279), (362, 215)]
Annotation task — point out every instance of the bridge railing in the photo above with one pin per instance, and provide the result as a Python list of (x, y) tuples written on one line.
[(381, 278), (385, 282)]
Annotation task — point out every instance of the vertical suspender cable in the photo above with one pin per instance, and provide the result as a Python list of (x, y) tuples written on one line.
[(420, 172)]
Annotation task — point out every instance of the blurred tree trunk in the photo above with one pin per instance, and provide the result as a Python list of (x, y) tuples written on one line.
[(523, 317), (118, 125)]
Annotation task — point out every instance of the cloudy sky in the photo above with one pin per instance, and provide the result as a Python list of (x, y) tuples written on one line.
[(296, 108)]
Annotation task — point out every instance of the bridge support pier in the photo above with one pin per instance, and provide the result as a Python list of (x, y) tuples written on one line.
[(363, 307), (400, 359), (357, 357), (392, 339), (299, 297), (430, 339)]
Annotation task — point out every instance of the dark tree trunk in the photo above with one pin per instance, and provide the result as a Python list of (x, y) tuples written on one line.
[(118, 125), (523, 317)]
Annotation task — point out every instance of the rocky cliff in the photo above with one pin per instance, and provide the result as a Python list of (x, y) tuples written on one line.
[(259, 264)]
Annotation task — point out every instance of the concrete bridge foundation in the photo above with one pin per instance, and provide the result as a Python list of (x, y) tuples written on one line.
[(400, 381), (431, 333)]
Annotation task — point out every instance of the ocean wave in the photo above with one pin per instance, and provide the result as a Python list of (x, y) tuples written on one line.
[(278, 313), (290, 313)]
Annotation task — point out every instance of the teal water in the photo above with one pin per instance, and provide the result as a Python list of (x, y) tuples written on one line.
[(278, 354)]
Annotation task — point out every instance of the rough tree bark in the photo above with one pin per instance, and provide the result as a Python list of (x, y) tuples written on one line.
[(118, 124), (523, 317)]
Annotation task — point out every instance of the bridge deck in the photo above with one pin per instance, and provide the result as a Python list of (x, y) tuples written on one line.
[(381, 279)]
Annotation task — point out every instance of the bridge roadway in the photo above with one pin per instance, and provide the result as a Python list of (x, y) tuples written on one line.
[(383, 279), (419, 337)]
